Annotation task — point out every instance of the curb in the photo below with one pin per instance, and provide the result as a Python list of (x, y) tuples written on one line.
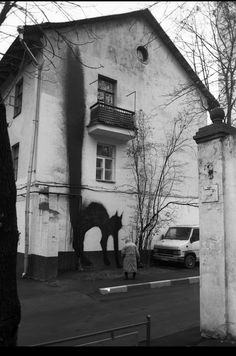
[(147, 285)]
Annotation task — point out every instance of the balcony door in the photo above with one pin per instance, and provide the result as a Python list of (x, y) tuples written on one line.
[(106, 90)]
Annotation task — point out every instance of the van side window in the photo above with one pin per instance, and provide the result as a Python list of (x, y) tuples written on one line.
[(195, 235)]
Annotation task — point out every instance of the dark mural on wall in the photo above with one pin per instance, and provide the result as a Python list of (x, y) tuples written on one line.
[(95, 215), (83, 218), (75, 118)]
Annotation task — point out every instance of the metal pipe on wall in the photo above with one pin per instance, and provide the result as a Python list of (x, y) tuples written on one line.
[(30, 171), (32, 150)]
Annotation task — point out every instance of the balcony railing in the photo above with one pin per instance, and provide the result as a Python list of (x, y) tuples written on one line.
[(111, 120)]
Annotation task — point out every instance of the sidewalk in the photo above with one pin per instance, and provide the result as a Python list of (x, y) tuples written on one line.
[(112, 281), (190, 338)]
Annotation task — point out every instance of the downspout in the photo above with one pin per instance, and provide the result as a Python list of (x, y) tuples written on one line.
[(32, 153), (30, 172)]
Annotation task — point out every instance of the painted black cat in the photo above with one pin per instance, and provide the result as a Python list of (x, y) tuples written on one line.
[(95, 215)]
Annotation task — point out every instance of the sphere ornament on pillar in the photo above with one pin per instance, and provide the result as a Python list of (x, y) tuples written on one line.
[(217, 115), (219, 129)]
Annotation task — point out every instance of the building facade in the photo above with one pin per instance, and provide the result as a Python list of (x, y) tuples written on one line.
[(71, 115)]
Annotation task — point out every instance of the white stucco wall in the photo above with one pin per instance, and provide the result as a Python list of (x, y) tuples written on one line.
[(20, 127), (112, 53), (152, 82)]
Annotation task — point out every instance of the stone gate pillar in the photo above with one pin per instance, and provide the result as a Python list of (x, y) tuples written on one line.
[(217, 222)]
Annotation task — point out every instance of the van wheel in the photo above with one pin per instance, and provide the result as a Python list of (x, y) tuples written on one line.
[(190, 261)]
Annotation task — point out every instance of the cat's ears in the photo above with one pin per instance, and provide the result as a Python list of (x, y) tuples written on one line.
[(116, 214)]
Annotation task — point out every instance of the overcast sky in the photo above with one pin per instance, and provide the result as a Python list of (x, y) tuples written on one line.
[(165, 12)]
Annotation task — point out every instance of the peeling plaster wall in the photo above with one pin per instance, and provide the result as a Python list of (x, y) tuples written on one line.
[(218, 245), (230, 228), (212, 246)]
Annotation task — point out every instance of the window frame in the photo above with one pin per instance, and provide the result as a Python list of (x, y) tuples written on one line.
[(193, 236), (142, 54), (107, 92), (18, 97), (104, 159)]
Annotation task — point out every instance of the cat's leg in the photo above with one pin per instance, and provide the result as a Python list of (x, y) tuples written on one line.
[(82, 258), (103, 243), (116, 251)]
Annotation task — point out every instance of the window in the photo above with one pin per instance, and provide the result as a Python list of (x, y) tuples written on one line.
[(106, 90), (178, 233), (105, 163), (195, 235), (15, 157), (18, 98), (142, 54)]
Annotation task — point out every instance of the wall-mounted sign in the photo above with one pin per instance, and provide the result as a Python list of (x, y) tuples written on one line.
[(210, 194)]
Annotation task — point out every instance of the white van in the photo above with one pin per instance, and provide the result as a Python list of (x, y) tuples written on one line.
[(179, 244)]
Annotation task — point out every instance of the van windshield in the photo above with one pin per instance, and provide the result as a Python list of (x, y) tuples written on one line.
[(178, 233)]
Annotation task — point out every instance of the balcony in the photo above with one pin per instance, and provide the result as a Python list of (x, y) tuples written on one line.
[(111, 121)]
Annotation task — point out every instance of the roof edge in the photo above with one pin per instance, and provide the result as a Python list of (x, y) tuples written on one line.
[(39, 28)]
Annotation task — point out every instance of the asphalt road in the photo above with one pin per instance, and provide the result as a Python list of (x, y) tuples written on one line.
[(70, 313)]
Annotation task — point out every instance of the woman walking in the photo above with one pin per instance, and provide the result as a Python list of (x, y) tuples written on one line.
[(130, 257)]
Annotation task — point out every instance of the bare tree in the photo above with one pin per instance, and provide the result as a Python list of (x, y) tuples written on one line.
[(155, 201), (158, 172), (208, 38)]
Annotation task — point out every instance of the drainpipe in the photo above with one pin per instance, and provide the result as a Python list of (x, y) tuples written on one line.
[(32, 151)]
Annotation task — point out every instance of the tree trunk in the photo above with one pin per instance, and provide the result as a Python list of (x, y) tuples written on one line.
[(10, 312)]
